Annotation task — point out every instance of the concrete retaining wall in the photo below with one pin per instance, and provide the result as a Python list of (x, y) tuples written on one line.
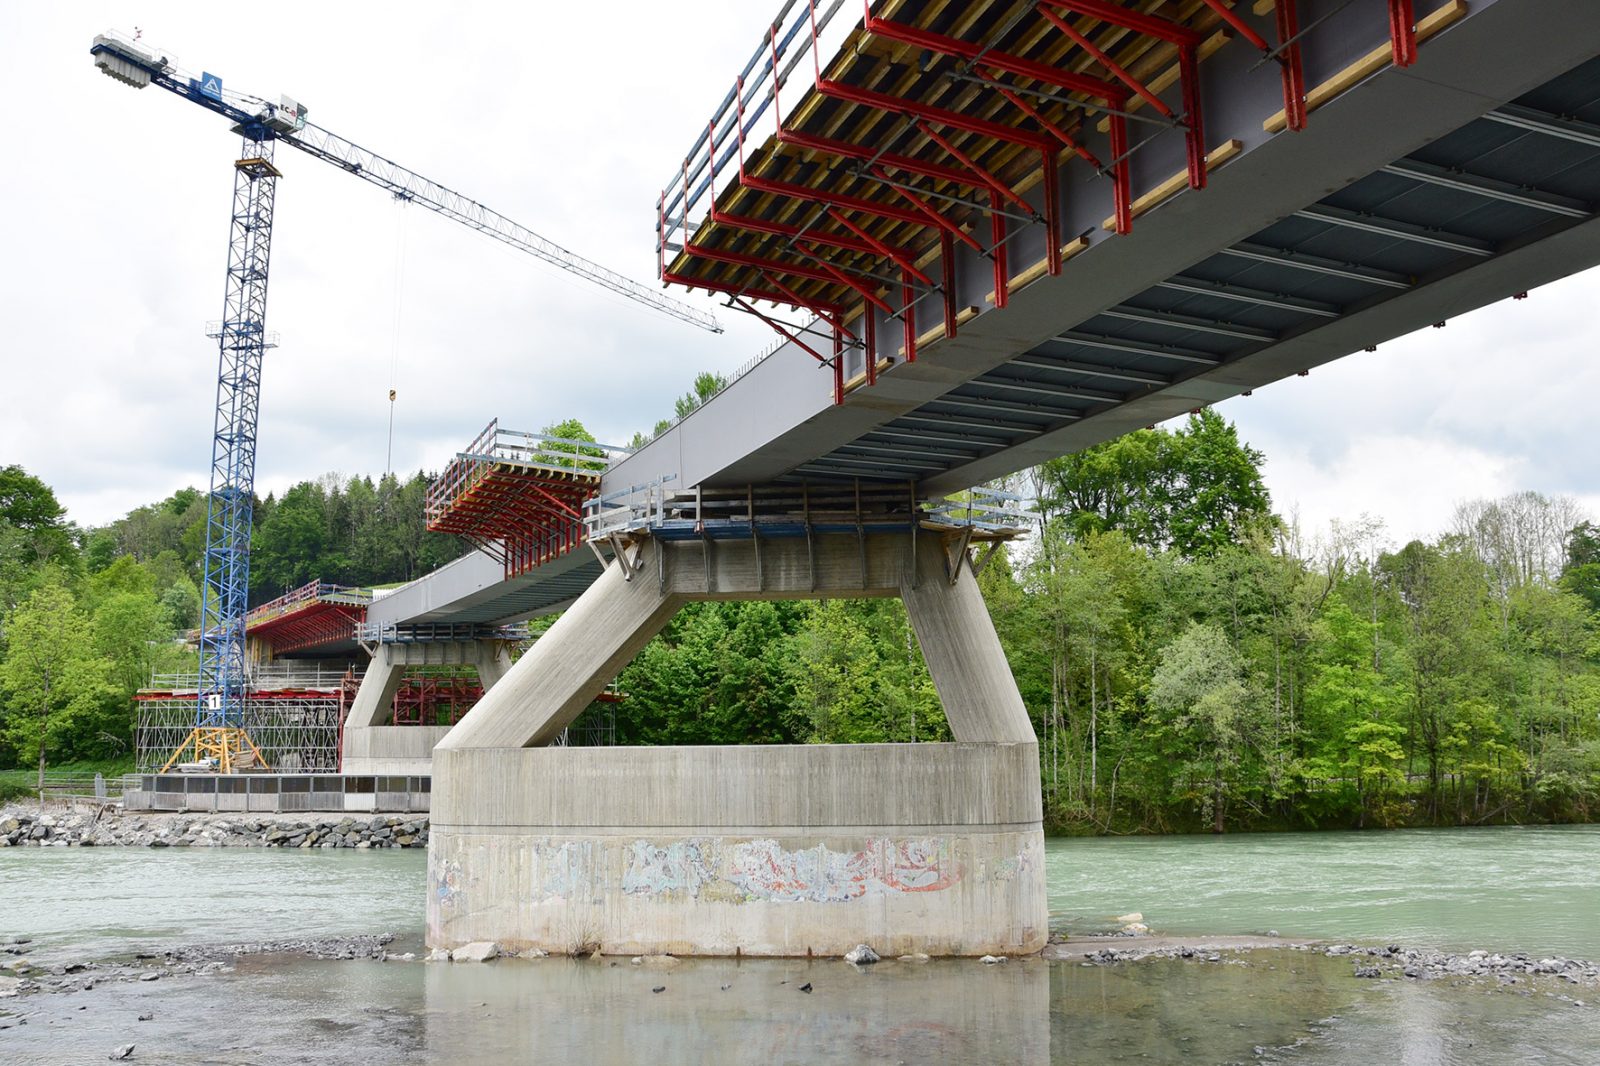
[(780, 850)]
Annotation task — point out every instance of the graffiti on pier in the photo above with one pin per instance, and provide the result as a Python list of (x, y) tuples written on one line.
[(918, 865), (680, 867), (564, 871), (764, 870), (447, 883), (716, 869)]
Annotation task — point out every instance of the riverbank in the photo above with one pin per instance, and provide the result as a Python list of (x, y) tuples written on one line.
[(108, 826)]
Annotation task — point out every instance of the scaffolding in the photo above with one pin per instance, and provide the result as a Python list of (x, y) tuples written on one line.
[(295, 730)]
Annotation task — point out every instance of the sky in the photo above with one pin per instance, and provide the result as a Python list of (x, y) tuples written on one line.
[(114, 211)]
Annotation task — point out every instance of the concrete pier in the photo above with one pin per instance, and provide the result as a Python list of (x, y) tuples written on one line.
[(780, 850), (370, 745)]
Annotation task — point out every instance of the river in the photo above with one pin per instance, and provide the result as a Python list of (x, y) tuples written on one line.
[(1531, 890)]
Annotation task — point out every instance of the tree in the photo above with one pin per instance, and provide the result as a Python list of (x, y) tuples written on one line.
[(1199, 689), (571, 454), (1581, 574), (51, 677), (28, 504), (1193, 490)]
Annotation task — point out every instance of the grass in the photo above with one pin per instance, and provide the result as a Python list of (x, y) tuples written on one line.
[(28, 776)]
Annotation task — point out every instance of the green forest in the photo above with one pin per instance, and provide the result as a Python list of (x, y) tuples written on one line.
[(1191, 660)]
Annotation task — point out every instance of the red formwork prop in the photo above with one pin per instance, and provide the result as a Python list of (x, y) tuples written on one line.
[(922, 137)]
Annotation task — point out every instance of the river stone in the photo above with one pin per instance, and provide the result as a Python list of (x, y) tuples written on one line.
[(477, 951), (861, 955)]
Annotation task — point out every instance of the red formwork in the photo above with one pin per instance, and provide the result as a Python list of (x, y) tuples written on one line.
[(311, 616), (842, 184), (518, 496)]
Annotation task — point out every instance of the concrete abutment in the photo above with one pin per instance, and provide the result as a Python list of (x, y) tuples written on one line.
[(756, 850)]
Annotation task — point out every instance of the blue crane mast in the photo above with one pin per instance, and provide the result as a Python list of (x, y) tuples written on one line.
[(220, 737)]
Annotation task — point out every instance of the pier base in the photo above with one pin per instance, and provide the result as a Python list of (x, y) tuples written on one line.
[(749, 850)]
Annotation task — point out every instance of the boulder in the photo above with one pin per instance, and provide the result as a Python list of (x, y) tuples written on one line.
[(861, 955), (477, 951)]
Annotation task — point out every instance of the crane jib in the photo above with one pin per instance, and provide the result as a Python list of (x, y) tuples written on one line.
[(220, 738)]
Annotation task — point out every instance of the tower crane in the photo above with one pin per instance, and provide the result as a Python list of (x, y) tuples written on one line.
[(219, 735)]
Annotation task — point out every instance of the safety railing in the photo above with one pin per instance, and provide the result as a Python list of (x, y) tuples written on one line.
[(985, 510), (496, 446), (635, 507), (436, 632), (314, 592)]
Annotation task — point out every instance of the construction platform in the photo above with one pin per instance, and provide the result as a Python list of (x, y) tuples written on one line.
[(519, 496), (318, 616)]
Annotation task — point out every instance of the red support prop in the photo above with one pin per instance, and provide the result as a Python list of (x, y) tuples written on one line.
[(861, 288), (869, 330), (908, 315), (900, 259), (1121, 175), (780, 327), (1403, 32), (970, 51), (895, 105), (930, 215), (1194, 117), (997, 236), (1116, 69), (756, 262), (947, 263), (838, 368), (1294, 73), (892, 159), (1050, 127), (852, 203), (1052, 212), (826, 314), (728, 287), (1117, 15), (779, 229)]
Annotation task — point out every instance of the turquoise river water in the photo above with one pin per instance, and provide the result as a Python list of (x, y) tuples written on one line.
[(1511, 890)]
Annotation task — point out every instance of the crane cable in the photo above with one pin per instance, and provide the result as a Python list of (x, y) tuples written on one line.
[(394, 337)]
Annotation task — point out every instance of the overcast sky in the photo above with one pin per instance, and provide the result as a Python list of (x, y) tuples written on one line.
[(567, 118)]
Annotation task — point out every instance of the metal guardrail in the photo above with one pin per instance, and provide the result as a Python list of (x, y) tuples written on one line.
[(314, 592), (285, 674), (994, 512), (632, 508), (495, 445), (983, 509), (436, 632), (66, 784)]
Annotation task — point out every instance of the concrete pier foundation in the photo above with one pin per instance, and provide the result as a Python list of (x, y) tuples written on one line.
[(756, 850)]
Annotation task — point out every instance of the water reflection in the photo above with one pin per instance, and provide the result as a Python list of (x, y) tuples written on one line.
[(758, 1011)]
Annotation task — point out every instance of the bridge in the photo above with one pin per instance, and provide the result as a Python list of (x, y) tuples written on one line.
[(1010, 231)]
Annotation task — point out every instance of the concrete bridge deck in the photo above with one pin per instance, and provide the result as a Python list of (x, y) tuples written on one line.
[(1415, 196)]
